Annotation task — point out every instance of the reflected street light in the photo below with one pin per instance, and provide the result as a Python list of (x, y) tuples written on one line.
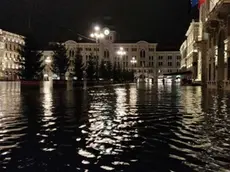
[(48, 61)]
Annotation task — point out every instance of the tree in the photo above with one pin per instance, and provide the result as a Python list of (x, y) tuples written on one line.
[(116, 72), (132, 75), (109, 71), (119, 72), (78, 65), (91, 71), (102, 69), (29, 61), (96, 67), (60, 63)]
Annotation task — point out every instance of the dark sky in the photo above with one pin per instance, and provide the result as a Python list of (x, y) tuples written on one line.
[(163, 21)]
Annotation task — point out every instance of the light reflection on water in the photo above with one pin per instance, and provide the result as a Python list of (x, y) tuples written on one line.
[(117, 128)]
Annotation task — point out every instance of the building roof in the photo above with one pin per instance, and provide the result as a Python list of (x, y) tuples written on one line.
[(191, 27), (164, 47)]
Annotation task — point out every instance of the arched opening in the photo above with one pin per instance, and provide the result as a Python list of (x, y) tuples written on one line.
[(142, 53), (106, 54), (142, 76), (220, 57)]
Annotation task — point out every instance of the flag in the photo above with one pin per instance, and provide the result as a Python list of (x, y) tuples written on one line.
[(201, 2), (191, 5), (194, 2)]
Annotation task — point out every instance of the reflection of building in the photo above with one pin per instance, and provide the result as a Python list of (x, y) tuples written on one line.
[(47, 61), (147, 61), (189, 52), (9, 45), (215, 52)]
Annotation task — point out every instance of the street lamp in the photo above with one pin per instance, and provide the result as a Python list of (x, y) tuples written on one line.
[(121, 52), (98, 34), (133, 61)]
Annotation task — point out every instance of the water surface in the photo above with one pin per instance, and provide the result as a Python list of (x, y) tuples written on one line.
[(116, 128)]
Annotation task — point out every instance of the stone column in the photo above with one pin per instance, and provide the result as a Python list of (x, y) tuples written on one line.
[(226, 55), (204, 63)]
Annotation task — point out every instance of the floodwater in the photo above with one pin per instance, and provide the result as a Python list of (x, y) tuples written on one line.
[(115, 128)]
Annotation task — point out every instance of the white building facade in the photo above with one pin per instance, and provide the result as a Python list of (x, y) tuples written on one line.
[(9, 45), (189, 52), (214, 43), (150, 63)]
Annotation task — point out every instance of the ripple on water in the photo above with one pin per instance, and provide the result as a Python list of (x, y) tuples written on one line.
[(119, 128)]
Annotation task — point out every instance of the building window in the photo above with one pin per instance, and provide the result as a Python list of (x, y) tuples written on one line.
[(178, 64), (106, 54), (169, 57), (134, 49), (142, 54), (71, 53), (160, 57), (142, 63), (151, 49), (160, 63), (169, 63), (178, 57)]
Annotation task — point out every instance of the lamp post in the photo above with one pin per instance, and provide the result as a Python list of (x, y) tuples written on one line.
[(133, 62), (98, 34), (121, 52)]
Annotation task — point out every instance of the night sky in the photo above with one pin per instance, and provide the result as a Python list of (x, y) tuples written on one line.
[(162, 21)]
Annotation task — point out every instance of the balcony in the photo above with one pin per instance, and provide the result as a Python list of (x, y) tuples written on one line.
[(216, 9)]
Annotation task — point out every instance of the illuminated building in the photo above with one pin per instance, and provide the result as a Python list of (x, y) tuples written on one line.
[(215, 48), (9, 45), (142, 57), (189, 52)]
